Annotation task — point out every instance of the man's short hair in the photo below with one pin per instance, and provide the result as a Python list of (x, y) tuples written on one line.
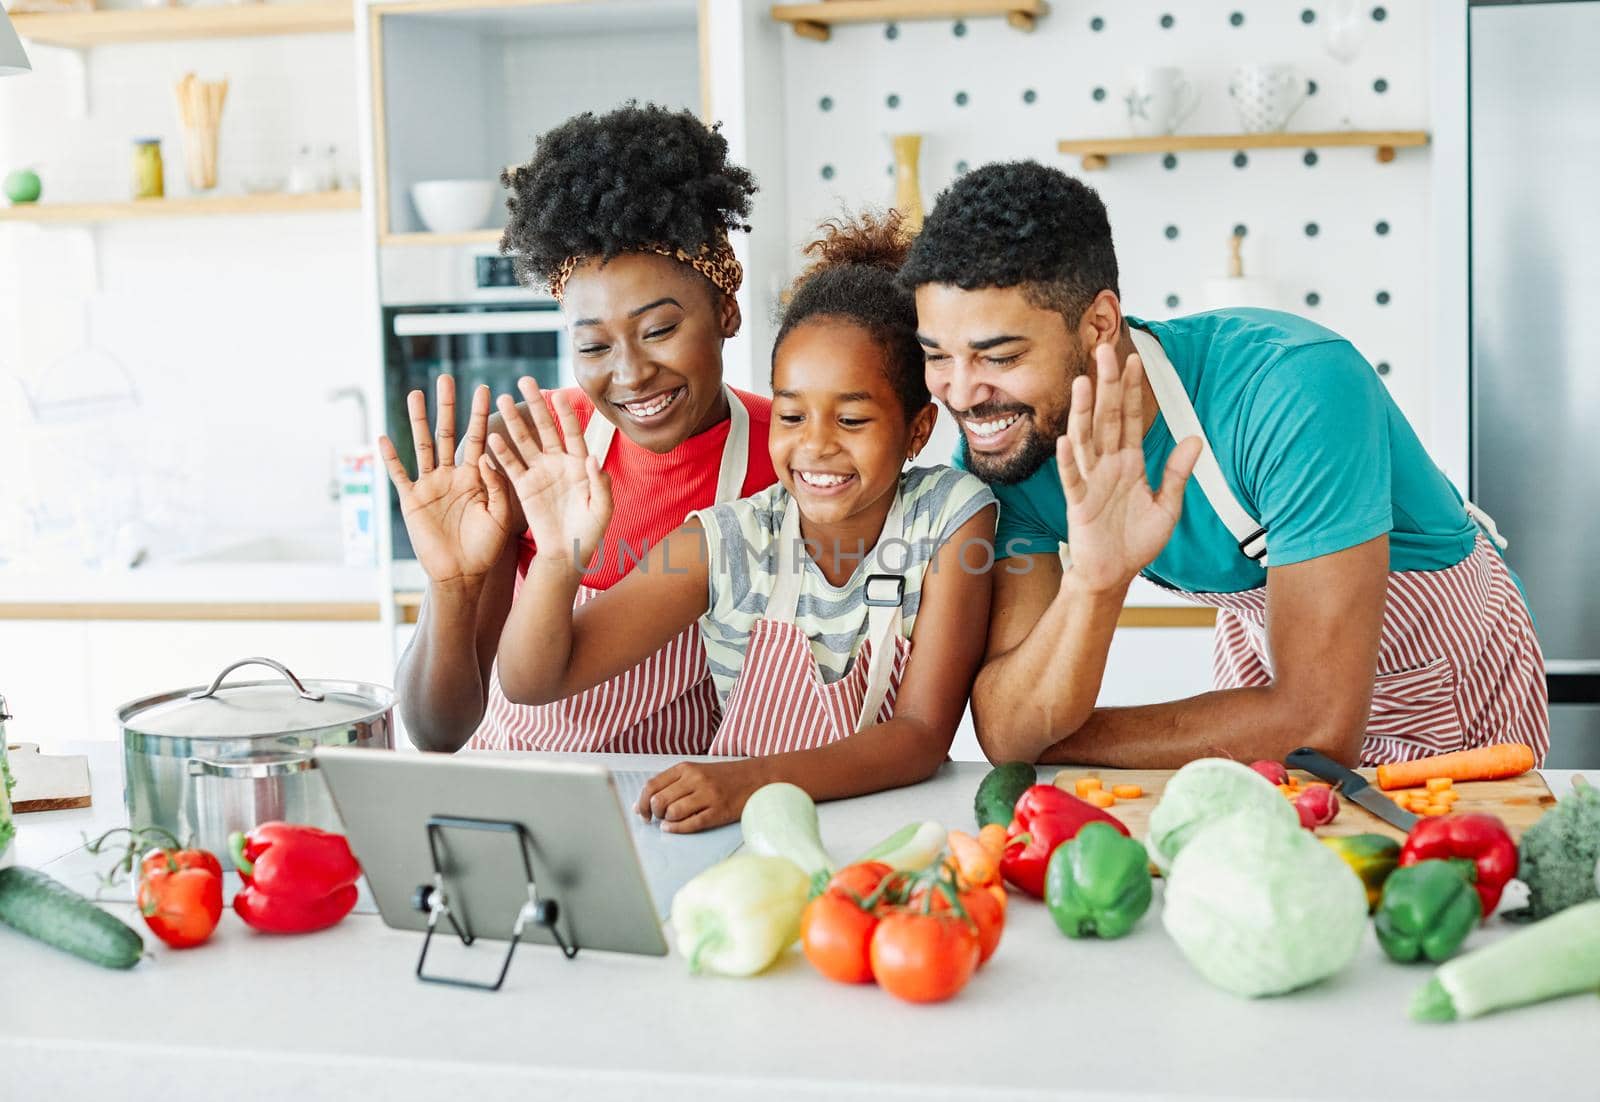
[(1018, 224)]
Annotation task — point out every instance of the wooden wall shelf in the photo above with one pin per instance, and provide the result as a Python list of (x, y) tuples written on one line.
[(85, 29), (1097, 152), (466, 237), (814, 20), (184, 207)]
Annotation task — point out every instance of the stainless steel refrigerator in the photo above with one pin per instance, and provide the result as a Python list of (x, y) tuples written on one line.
[(1534, 72)]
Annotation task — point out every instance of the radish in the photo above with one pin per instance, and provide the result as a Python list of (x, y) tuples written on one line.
[(1272, 770), (1318, 805)]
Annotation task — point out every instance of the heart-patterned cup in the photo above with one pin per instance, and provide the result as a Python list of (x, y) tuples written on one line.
[(1267, 95)]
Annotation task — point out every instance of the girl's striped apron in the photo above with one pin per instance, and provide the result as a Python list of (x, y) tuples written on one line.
[(666, 704), (1459, 665), (780, 702)]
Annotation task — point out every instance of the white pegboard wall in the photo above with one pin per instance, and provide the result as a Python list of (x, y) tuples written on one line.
[(980, 91)]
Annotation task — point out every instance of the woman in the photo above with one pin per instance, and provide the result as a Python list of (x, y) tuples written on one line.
[(835, 607), (625, 216)]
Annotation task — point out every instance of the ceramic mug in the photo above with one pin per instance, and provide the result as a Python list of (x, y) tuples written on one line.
[(1159, 98), (1266, 95)]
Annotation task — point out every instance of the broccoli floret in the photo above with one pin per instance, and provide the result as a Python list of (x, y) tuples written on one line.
[(1558, 854)]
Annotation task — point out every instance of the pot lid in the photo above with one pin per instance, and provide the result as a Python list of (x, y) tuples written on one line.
[(256, 707)]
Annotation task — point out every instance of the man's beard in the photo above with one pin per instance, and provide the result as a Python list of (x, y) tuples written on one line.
[(1037, 446)]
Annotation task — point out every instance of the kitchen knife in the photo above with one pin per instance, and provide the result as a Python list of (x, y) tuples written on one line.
[(1352, 786)]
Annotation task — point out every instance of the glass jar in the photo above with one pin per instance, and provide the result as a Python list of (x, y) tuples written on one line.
[(149, 176)]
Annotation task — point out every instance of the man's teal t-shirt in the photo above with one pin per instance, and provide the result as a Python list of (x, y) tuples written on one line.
[(1308, 439)]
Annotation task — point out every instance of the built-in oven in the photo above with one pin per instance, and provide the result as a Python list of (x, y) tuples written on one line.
[(458, 313)]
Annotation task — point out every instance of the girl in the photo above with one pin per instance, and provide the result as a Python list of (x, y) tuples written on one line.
[(626, 217), (840, 610)]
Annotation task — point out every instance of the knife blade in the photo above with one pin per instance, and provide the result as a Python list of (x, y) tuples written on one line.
[(1352, 786)]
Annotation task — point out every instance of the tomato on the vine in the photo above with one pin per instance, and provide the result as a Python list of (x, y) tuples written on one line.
[(923, 957), (835, 933)]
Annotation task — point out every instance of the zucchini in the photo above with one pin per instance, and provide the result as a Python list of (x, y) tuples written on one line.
[(48, 910), (780, 820), (1556, 956), (912, 848)]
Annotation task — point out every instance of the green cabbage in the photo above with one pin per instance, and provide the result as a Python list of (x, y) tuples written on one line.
[(1260, 907), (1204, 791)]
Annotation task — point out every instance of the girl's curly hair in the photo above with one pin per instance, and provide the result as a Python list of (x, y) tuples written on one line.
[(853, 277)]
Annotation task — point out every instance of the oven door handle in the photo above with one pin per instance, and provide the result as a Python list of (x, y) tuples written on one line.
[(500, 321)]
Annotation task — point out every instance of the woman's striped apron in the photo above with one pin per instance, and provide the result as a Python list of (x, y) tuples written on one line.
[(779, 702), (666, 704), (1459, 665)]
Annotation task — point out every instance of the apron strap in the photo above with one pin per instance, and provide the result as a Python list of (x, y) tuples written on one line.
[(1184, 422), (600, 432), (884, 594), (1486, 522)]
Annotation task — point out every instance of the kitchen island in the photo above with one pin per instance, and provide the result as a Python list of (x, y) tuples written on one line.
[(339, 1015)]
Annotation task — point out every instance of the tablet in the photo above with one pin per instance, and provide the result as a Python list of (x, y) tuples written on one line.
[(573, 832)]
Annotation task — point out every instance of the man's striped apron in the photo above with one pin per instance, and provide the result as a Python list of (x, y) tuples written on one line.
[(1459, 665)]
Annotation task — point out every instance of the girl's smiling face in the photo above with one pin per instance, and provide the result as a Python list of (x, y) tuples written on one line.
[(840, 434)]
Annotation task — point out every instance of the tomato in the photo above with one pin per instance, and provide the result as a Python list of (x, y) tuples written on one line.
[(181, 907), (987, 910), (835, 934), (923, 958), (171, 860), (860, 879)]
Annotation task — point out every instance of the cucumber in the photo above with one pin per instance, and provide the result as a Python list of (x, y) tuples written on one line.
[(48, 910), (998, 792)]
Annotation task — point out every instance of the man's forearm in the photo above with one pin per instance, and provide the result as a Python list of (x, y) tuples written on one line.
[(1049, 682), (1244, 724), (439, 681)]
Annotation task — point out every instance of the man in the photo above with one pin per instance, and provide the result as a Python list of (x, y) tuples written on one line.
[(1361, 610)]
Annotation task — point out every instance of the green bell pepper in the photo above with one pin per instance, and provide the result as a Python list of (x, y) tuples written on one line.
[(1427, 910), (1098, 884)]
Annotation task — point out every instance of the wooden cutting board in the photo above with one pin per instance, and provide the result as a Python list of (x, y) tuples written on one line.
[(1519, 801), (47, 782)]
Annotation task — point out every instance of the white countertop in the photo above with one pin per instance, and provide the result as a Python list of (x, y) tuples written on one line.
[(336, 1013)]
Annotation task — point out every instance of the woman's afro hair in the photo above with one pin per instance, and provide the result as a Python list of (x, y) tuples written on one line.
[(635, 177), (1018, 224)]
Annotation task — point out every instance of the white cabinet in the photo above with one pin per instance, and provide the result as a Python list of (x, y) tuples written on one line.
[(65, 679), (464, 87)]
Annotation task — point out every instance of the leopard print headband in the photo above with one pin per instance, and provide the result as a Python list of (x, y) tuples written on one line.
[(715, 261)]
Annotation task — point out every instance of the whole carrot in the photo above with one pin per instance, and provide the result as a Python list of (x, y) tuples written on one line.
[(1486, 763)]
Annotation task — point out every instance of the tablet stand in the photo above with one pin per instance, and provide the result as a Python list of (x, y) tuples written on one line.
[(435, 901)]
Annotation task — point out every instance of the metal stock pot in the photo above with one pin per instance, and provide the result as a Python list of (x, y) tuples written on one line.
[(202, 762)]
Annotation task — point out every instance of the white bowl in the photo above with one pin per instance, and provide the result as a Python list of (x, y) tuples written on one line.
[(453, 206)]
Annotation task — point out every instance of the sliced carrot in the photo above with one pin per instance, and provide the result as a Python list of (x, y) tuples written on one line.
[(1100, 797), (1440, 784), (1126, 791), (1433, 811), (1085, 785), (1486, 763), (1448, 796), (1289, 790)]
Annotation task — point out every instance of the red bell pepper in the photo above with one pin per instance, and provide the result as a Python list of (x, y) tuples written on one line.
[(1481, 839), (296, 878), (180, 895), (1045, 817)]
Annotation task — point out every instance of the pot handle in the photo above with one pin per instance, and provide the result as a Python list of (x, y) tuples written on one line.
[(248, 770), (305, 693)]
